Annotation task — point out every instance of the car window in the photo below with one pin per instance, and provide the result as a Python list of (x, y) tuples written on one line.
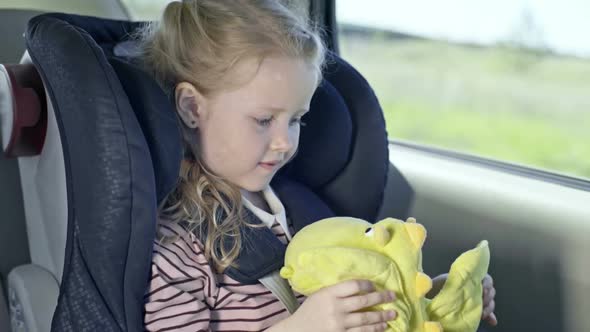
[(502, 79), (145, 10), (148, 10), (104, 8)]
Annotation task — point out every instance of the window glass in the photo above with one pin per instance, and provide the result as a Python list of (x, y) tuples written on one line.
[(148, 10), (503, 79), (145, 10)]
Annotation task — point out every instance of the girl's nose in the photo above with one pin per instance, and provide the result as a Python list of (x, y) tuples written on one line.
[(282, 140)]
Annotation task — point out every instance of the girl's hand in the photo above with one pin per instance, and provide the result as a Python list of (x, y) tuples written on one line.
[(335, 308), (489, 305)]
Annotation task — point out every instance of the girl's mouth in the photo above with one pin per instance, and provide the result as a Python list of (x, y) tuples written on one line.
[(270, 165)]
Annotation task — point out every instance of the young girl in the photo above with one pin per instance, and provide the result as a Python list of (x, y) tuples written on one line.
[(242, 73)]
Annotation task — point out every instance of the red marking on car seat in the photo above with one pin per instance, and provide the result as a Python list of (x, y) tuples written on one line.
[(27, 112)]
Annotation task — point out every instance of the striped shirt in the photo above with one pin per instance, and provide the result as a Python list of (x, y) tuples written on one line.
[(187, 294)]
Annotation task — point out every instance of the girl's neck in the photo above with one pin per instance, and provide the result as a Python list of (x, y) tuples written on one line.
[(257, 199)]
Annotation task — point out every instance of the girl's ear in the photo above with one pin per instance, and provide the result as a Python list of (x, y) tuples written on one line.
[(190, 104)]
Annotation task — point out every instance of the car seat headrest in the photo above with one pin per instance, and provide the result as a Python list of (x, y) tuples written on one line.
[(325, 139), (155, 113), (343, 152)]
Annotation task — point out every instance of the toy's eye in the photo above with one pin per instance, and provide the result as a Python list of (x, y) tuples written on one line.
[(369, 231)]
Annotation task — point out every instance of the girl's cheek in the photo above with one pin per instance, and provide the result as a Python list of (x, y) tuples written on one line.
[(295, 137)]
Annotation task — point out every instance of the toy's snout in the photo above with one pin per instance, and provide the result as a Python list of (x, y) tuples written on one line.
[(382, 235)]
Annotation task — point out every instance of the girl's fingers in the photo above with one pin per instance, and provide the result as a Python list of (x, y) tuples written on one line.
[(488, 282), (370, 328), (492, 320), (351, 287), (488, 310), (488, 296), (359, 302), (368, 318), (488, 301)]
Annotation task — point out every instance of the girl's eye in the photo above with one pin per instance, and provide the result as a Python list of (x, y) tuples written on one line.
[(298, 121), (264, 122)]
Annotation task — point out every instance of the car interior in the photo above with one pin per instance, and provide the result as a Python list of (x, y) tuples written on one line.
[(89, 151)]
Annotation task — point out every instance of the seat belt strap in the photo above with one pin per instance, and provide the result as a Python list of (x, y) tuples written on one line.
[(281, 289)]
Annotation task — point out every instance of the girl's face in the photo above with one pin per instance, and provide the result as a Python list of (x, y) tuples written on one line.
[(247, 134)]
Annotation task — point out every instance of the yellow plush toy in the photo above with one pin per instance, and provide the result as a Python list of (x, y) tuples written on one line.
[(389, 253)]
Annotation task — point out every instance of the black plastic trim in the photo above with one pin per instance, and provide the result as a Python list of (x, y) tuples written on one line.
[(323, 13)]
